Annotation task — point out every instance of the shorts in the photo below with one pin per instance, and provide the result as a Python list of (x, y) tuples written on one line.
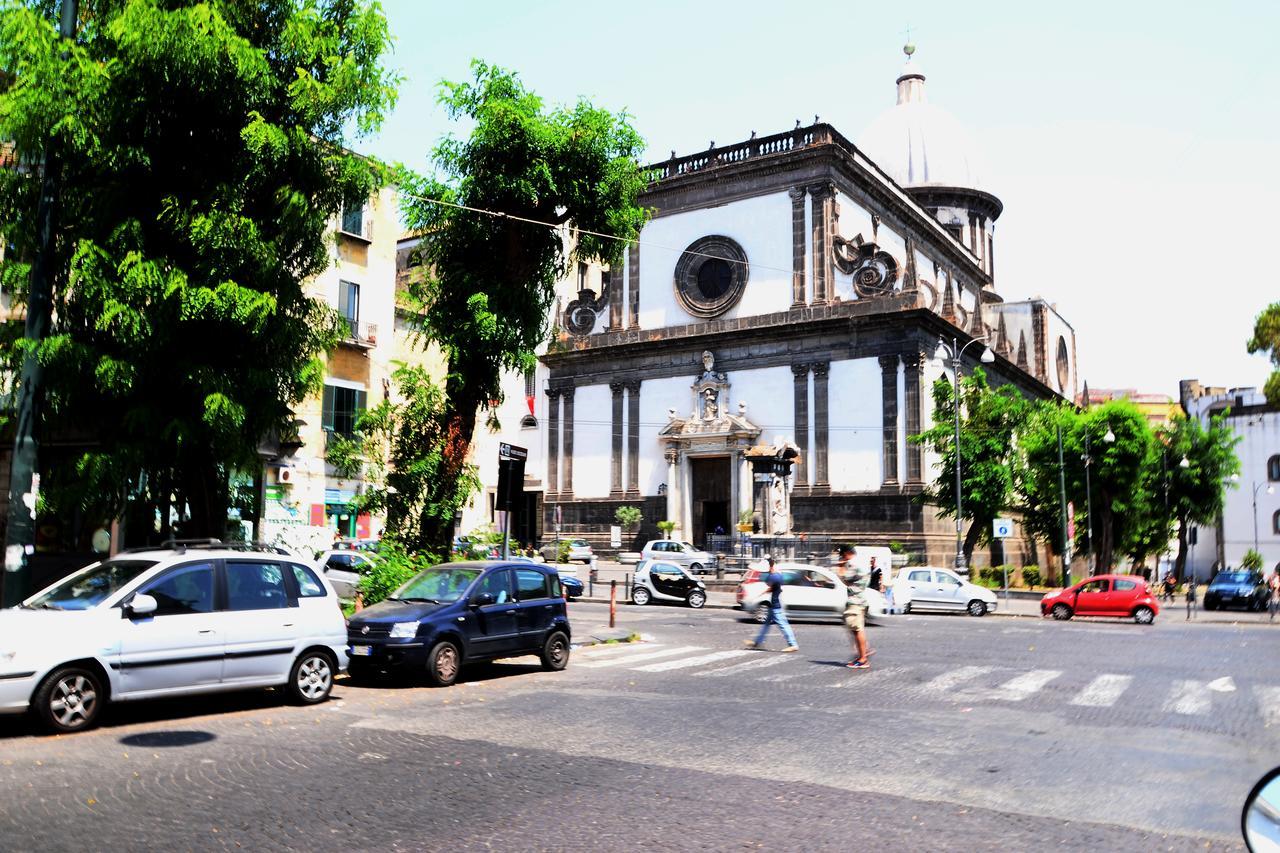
[(855, 617)]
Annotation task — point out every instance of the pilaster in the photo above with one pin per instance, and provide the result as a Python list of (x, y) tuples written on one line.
[(567, 394), (889, 417), (633, 286), (633, 438), (798, 297), (801, 394), (822, 201), (913, 374), (615, 482), (553, 441), (821, 429)]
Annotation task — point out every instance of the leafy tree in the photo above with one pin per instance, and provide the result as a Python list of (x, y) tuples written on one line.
[(988, 460), (1266, 338), (399, 450), (1036, 480), (491, 286), (1196, 493), (628, 516), (202, 164)]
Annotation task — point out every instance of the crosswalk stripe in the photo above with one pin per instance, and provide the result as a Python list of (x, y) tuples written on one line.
[(682, 663), (1189, 697), (1021, 686), (1268, 704), (785, 676), (954, 678), (1103, 691), (761, 662), (593, 652), (628, 659), (857, 677)]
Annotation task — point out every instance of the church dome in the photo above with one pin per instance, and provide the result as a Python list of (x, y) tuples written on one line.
[(919, 144)]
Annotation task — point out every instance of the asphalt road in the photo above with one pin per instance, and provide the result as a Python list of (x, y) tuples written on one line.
[(966, 734)]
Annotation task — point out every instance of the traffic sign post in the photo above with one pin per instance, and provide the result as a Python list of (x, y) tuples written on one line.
[(511, 461)]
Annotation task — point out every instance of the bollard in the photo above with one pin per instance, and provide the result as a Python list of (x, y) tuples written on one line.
[(613, 604), (591, 588), (359, 602), (627, 582)]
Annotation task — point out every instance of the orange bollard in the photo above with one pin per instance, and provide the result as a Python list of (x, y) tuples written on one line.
[(359, 601), (613, 603)]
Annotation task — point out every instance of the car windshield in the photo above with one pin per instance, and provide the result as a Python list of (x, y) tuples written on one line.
[(687, 546), (1232, 577), (438, 584), (89, 587)]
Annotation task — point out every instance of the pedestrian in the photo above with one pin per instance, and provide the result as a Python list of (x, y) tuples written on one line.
[(1170, 586), (1273, 600), (1191, 596), (776, 616), (876, 576), (855, 611)]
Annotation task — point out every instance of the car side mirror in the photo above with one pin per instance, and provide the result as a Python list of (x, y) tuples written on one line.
[(483, 600), (142, 605), (1260, 821)]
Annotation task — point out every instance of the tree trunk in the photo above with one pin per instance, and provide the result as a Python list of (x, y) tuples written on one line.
[(1180, 564), (207, 501), (971, 537), (1104, 547), (460, 418)]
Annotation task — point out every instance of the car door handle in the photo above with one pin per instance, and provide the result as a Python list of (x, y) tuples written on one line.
[(207, 631), (546, 607), (288, 624)]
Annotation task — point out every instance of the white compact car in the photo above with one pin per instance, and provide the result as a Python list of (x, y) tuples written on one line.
[(658, 581), (680, 553), (927, 588), (343, 569), (169, 622), (807, 591)]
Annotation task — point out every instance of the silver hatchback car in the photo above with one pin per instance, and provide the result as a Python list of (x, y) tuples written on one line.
[(680, 553)]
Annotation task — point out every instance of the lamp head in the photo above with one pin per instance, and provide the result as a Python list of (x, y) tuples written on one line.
[(987, 357), (1184, 463), (1110, 437), (941, 353)]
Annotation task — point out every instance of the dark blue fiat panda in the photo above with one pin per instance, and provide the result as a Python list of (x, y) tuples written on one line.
[(460, 613)]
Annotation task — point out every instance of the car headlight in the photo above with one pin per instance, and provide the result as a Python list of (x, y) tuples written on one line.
[(404, 630)]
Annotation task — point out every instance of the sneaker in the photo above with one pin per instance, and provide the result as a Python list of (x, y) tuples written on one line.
[(858, 664), (751, 644), (791, 649)]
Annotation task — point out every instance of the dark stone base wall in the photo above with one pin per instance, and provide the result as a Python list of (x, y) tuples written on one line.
[(591, 519)]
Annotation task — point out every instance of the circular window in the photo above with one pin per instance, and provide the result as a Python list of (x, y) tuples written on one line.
[(711, 276), (1064, 364)]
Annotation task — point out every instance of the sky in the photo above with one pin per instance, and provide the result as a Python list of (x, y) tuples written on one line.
[(1135, 145)]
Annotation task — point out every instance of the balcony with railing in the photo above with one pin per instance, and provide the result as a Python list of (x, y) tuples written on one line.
[(765, 146), (362, 335), (356, 222)]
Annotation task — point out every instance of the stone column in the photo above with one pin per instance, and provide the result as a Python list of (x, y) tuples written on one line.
[(800, 372), (553, 441), (821, 431), (798, 297), (617, 280), (567, 491), (822, 201), (615, 483), (914, 400), (633, 286), (672, 456), (633, 438), (889, 393)]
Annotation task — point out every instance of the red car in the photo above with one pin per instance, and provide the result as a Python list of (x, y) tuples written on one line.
[(1103, 595)]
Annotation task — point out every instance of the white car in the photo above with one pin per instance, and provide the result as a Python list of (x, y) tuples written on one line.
[(807, 591), (344, 568), (680, 553), (170, 622), (579, 549), (928, 588)]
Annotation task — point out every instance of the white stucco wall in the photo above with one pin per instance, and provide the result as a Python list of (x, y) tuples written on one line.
[(592, 441), (855, 400), (770, 398), (656, 397), (762, 226)]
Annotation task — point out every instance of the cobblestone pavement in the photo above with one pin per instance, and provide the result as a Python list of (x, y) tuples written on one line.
[(966, 735)]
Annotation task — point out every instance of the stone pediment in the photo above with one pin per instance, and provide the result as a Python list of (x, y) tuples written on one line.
[(724, 427)]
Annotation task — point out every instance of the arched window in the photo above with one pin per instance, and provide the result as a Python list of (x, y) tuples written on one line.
[(1275, 523), (528, 422), (1273, 468)]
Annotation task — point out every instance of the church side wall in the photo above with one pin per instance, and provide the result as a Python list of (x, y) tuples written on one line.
[(856, 428), (592, 441), (657, 396), (761, 225), (769, 395)]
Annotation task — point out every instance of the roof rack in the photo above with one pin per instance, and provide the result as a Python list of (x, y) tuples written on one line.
[(181, 546)]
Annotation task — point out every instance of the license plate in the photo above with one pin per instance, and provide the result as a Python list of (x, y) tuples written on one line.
[(362, 651), (1227, 597)]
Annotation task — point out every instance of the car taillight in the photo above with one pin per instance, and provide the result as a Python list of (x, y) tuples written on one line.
[(741, 593)]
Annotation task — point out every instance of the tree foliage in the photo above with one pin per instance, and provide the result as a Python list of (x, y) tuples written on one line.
[(1197, 492), (988, 461), (201, 155), (1266, 339), (492, 278)]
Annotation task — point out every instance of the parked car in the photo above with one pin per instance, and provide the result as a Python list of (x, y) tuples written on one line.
[(579, 549), (658, 580), (1103, 595), (926, 588), (458, 613), (807, 591), (680, 553), (1243, 589), (343, 568), (170, 622)]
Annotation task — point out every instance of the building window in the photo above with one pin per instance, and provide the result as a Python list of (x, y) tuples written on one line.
[(530, 380), (342, 407), (1275, 523), (528, 422), (1273, 468), (353, 220), (582, 276), (349, 306), (956, 230), (1064, 365), (711, 276)]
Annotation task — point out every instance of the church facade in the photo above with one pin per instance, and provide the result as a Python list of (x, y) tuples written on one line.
[(788, 290)]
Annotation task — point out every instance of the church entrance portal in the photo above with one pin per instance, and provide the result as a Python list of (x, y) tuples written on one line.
[(710, 498)]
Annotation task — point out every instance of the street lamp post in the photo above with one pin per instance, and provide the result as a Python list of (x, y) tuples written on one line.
[(1271, 490), (954, 353)]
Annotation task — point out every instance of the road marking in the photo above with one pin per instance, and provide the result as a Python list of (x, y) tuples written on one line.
[(695, 661), (785, 676), (593, 652), (758, 663), (1021, 686), (626, 659), (1189, 697), (954, 678), (858, 676), (1103, 691), (1268, 704), (1223, 685)]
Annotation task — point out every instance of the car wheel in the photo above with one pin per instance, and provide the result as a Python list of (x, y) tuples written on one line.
[(640, 595), (311, 678), (695, 568), (1061, 612), (762, 612), (69, 700), (1209, 606), (1144, 616), (443, 663), (696, 599), (977, 608), (555, 652), (906, 608)]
